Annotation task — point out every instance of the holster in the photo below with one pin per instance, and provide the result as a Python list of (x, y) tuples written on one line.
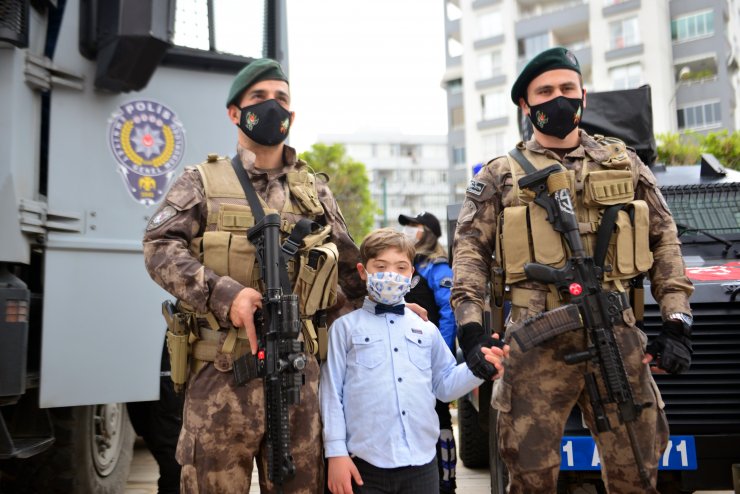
[(179, 327)]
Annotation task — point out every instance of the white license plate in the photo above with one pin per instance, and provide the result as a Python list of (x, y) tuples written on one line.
[(580, 453)]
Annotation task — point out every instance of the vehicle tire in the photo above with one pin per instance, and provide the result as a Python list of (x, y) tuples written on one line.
[(91, 455), (499, 473), (473, 441)]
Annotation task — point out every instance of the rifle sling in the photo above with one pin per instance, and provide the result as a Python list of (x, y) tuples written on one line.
[(526, 165), (301, 230)]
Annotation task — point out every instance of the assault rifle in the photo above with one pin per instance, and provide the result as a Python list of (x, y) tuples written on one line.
[(280, 359), (590, 307)]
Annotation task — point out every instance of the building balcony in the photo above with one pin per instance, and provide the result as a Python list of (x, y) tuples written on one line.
[(620, 7), (529, 9)]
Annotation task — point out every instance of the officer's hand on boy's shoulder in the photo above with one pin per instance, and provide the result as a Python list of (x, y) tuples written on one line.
[(342, 470), (419, 310), (241, 313)]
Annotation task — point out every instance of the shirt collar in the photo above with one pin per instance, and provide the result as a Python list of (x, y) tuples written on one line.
[(587, 146), (290, 162)]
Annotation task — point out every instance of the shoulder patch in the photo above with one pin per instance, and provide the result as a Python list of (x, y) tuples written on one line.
[(475, 187), (467, 212), (162, 217), (446, 282)]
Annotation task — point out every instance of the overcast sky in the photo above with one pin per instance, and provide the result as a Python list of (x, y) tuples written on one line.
[(360, 65)]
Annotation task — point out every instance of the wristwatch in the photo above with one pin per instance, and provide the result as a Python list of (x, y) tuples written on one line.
[(685, 319)]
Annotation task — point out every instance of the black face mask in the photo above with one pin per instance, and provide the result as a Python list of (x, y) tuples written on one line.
[(266, 123), (557, 117)]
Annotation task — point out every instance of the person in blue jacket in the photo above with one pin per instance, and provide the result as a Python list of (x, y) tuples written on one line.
[(430, 288)]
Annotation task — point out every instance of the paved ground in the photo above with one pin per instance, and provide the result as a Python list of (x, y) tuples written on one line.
[(144, 474)]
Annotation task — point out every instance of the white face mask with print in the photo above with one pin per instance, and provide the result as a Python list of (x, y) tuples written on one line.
[(411, 233), (388, 288)]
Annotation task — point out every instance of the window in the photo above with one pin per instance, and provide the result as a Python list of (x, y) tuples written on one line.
[(193, 27), (493, 145), (624, 33), (489, 25), (453, 11), (493, 105), (692, 26), (626, 76), (455, 86), (489, 65), (457, 117), (454, 47), (699, 116), (458, 155), (532, 45)]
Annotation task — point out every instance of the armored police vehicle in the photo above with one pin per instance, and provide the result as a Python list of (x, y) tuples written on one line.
[(104, 101), (702, 405)]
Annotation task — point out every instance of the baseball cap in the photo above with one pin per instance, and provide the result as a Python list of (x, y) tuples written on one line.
[(423, 218)]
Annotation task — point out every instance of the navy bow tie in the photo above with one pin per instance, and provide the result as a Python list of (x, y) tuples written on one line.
[(393, 309)]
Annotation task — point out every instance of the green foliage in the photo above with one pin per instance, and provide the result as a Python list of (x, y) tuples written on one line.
[(687, 148), (349, 184)]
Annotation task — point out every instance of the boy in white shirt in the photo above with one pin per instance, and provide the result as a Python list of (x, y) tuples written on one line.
[(384, 371)]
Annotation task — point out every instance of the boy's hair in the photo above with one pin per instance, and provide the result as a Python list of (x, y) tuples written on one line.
[(382, 239)]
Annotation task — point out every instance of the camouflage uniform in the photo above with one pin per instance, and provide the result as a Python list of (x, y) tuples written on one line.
[(539, 389), (224, 425)]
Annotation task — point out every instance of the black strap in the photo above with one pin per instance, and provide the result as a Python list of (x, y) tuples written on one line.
[(254, 202), (301, 230), (523, 161), (604, 233)]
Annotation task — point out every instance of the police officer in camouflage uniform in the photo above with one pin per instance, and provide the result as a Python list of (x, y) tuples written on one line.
[(538, 390), (195, 247)]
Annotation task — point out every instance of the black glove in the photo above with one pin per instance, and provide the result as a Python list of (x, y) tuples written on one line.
[(672, 347), (472, 338)]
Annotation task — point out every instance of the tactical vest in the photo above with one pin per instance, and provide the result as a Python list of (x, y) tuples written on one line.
[(224, 248), (596, 187)]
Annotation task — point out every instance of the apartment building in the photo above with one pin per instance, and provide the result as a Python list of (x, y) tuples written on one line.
[(685, 49), (408, 173)]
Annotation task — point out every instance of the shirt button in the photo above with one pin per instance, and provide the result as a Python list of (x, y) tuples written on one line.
[(393, 322), (419, 341), (367, 339), (400, 379), (395, 349), (403, 412)]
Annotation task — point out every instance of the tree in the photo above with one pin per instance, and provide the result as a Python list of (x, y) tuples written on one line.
[(349, 184), (686, 149)]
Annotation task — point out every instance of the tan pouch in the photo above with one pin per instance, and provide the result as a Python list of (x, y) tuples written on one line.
[(515, 239), (629, 250), (243, 261), (548, 244), (643, 255), (608, 187), (215, 248), (316, 284), (235, 218), (303, 187)]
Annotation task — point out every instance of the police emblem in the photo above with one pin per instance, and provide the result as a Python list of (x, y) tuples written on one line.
[(577, 116), (284, 126), (148, 142), (252, 120), (161, 217), (541, 119)]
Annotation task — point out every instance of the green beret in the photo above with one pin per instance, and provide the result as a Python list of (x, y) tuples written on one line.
[(262, 69), (554, 58)]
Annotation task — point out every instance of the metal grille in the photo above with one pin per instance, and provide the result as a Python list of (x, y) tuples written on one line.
[(711, 207), (14, 22), (706, 399)]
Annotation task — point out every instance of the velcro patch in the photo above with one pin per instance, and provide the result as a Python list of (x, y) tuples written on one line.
[(446, 283), (475, 187), (162, 217)]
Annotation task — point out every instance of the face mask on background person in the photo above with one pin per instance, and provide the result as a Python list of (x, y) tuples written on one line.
[(411, 232), (266, 123), (387, 287), (557, 117)]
